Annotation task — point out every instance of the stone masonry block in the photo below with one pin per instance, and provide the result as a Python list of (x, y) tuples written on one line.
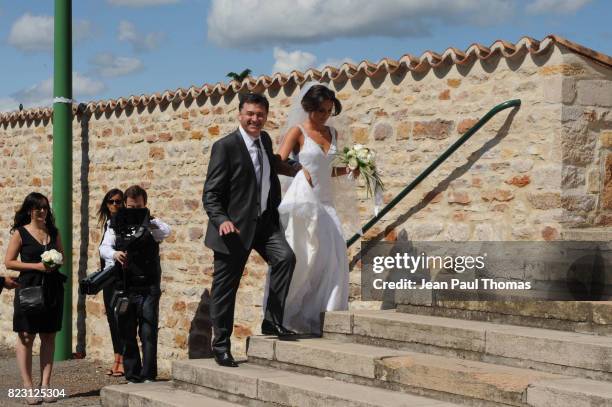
[(594, 93), (575, 392), (435, 129), (606, 139), (338, 322), (360, 135), (205, 372), (581, 203), (404, 129), (383, 131), (572, 176), (591, 353), (412, 328), (593, 180), (546, 200), (260, 347), (606, 198), (559, 90)]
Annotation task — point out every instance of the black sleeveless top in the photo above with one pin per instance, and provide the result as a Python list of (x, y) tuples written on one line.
[(31, 249), (51, 319)]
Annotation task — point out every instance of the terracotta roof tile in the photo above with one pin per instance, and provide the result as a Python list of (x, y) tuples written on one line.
[(427, 60)]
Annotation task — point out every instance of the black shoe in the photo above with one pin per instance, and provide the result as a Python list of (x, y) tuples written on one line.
[(225, 359), (270, 328)]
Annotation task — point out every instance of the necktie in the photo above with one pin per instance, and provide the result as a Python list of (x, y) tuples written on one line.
[(260, 172)]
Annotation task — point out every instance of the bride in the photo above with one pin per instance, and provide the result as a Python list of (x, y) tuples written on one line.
[(321, 278)]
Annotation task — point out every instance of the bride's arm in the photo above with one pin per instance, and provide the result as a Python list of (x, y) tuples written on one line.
[(290, 143), (340, 171)]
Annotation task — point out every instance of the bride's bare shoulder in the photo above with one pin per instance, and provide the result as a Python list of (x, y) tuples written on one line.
[(291, 141), (294, 133), (295, 129)]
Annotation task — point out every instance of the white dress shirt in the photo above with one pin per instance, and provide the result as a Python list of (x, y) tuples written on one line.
[(265, 182), (160, 231)]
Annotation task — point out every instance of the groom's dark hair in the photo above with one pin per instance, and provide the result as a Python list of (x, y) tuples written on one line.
[(253, 98)]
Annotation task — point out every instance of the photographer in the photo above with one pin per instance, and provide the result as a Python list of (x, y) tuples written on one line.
[(142, 292)]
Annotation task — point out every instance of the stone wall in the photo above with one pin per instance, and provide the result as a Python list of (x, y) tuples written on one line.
[(586, 96), (529, 174)]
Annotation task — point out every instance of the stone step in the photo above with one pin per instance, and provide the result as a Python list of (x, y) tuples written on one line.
[(261, 385), (453, 379), (570, 392), (569, 353), (583, 317), (158, 394)]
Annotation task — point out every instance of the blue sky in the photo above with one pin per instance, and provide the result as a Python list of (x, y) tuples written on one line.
[(126, 47)]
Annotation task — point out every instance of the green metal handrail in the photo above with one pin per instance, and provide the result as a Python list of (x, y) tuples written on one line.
[(433, 166)]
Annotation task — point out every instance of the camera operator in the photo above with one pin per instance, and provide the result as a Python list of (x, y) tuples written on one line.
[(142, 310)]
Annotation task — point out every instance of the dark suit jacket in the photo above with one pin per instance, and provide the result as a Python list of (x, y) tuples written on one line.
[(230, 191)]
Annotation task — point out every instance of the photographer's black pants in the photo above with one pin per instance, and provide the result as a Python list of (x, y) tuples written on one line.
[(143, 315)]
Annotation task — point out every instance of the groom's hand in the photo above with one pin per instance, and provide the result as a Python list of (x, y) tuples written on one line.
[(297, 167), (227, 227), (307, 175)]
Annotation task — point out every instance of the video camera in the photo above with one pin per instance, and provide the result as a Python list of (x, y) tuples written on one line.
[(131, 227)]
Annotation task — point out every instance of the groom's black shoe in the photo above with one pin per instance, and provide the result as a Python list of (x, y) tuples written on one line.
[(225, 359), (271, 328)]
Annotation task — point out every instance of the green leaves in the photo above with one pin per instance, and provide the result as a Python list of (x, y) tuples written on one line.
[(239, 77)]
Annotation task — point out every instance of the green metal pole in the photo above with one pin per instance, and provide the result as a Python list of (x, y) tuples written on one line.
[(62, 160)]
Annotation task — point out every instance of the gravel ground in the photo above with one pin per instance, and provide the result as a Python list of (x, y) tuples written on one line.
[(81, 379)]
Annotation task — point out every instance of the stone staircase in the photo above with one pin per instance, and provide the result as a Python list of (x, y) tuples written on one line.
[(392, 358)]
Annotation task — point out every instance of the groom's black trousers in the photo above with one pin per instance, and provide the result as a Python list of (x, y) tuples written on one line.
[(270, 243)]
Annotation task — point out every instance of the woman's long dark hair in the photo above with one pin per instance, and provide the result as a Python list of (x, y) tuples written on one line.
[(316, 95), (104, 213), (34, 200)]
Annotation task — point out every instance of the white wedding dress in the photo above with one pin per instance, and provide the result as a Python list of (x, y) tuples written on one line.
[(320, 280)]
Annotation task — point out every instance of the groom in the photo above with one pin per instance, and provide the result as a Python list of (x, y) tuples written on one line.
[(241, 197)]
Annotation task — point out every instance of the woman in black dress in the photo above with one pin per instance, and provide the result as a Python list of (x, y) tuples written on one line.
[(32, 234), (113, 200)]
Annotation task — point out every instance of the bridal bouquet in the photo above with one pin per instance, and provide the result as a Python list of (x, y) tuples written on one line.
[(362, 158), (52, 258)]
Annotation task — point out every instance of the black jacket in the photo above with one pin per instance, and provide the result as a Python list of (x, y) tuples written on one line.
[(230, 190)]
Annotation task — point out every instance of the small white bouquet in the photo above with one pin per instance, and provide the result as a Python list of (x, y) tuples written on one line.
[(362, 158), (52, 258)]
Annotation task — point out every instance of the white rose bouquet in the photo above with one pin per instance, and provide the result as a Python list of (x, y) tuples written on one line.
[(362, 158), (52, 258)]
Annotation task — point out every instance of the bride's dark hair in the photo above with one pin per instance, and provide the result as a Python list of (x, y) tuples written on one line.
[(316, 95), (34, 200)]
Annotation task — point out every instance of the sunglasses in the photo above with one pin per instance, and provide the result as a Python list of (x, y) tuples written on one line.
[(43, 208), (114, 201)]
